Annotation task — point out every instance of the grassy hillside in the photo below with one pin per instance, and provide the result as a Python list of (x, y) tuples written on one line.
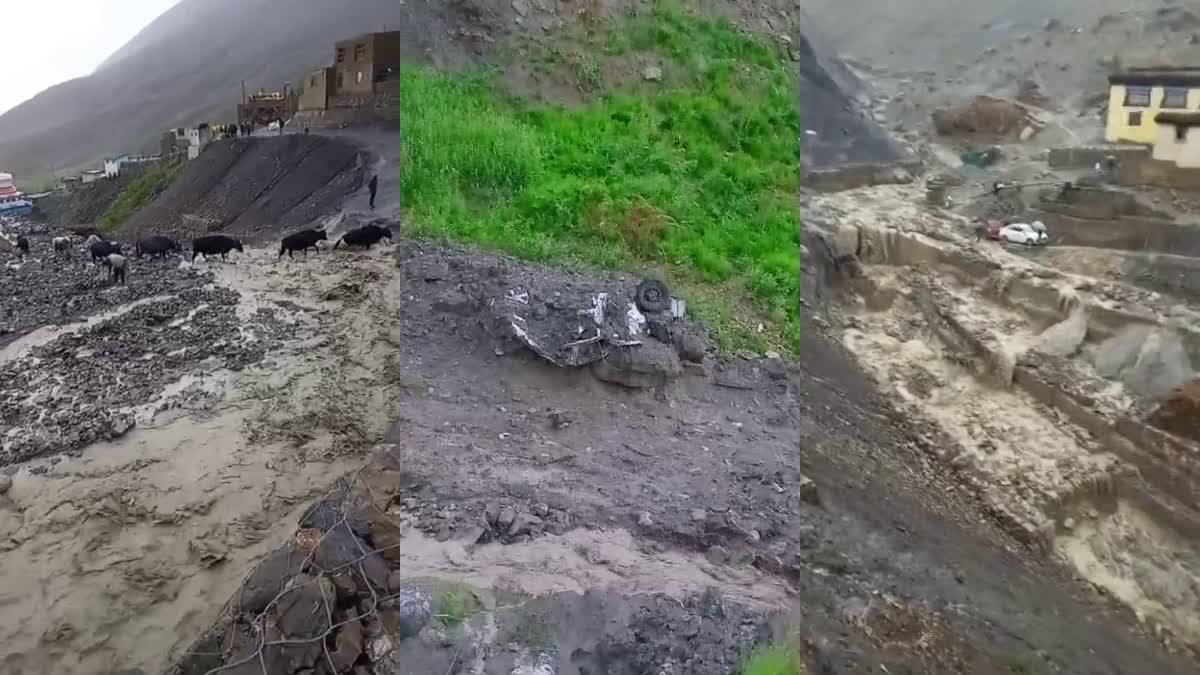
[(698, 177), (139, 193)]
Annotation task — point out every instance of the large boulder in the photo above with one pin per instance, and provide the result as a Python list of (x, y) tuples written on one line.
[(1149, 360), (651, 364), (1064, 337)]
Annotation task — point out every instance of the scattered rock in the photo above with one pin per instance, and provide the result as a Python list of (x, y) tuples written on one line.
[(775, 368), (415, 606), (644, 519), (525, 523), (652, 74), (5, 483), (349, 646), (506, 517), (268, 579), (560, 419), (699, 515), (806, 489), (651, 364), (691, 347)]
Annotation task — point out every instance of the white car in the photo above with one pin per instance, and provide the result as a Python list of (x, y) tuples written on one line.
[(1024, 233)]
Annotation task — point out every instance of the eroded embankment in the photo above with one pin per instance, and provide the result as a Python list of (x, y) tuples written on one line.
[(1009, 358), (249, 186)]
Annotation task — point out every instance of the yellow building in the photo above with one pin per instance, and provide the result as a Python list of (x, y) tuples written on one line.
[(1138, 95)]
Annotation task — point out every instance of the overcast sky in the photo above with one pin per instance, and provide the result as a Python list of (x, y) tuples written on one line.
[(50, 41)]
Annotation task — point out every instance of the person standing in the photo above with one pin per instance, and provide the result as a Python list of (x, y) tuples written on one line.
[(373, 186)]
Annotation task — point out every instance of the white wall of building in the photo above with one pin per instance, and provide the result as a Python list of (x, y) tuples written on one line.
[(1170, 147)]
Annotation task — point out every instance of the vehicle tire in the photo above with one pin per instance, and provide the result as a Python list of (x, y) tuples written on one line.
[(652, 296)]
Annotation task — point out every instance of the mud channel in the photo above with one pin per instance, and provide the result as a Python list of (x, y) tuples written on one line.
[(153, 448), (1044, 377)]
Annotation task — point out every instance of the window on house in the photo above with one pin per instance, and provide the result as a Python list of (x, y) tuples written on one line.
[(1137, 96), (312, 81), (1174, 97), (341, 54), (1135, 119), (1180, 132), (360, 52), (358, 77)]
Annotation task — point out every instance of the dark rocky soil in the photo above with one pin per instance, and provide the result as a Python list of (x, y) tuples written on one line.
[(254, 186), (47, 290), (801, 471)]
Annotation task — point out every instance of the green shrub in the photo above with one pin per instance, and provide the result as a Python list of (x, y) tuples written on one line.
[(140, 192)]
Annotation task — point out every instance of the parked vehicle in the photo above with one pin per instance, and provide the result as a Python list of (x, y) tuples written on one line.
[(1024, 233)]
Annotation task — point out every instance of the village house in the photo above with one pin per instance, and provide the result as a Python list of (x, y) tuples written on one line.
[(112, 167), (361, 62), (1137, 96), (317, 89), (264, 107), (91, 176)]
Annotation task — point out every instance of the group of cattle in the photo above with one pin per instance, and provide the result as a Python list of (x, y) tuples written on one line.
[(110, 254)]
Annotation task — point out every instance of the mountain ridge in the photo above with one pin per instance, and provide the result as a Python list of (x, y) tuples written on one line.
[(179, 71)]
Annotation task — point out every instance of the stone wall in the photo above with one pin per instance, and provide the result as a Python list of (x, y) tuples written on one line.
[(1149, 171), (1088, 157)]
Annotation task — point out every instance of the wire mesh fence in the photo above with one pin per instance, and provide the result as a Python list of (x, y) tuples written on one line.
[(327, 602)]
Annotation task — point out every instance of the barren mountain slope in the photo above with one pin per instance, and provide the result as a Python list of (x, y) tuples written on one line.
[(186, 67), (942, 50)]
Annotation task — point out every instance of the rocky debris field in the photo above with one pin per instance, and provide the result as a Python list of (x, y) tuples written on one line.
[(88, 384), (48, 290), (512, 491)]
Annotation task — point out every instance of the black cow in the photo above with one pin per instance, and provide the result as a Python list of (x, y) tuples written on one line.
[(365, 236), (157, 246), (103, 249), (301, 241), (215, 244), (23, 244), (85, 231)]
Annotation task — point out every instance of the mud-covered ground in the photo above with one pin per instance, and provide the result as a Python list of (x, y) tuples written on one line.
[(150, 450), (1044, 374), (45, 289), (512, 495)]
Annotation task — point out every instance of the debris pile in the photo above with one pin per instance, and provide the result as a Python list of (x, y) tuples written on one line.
[(987, 115), (630, 333)]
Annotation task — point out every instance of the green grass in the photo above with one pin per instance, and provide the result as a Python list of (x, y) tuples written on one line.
[(699, 179), (139, 193), (455, 607), (774, 660)]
